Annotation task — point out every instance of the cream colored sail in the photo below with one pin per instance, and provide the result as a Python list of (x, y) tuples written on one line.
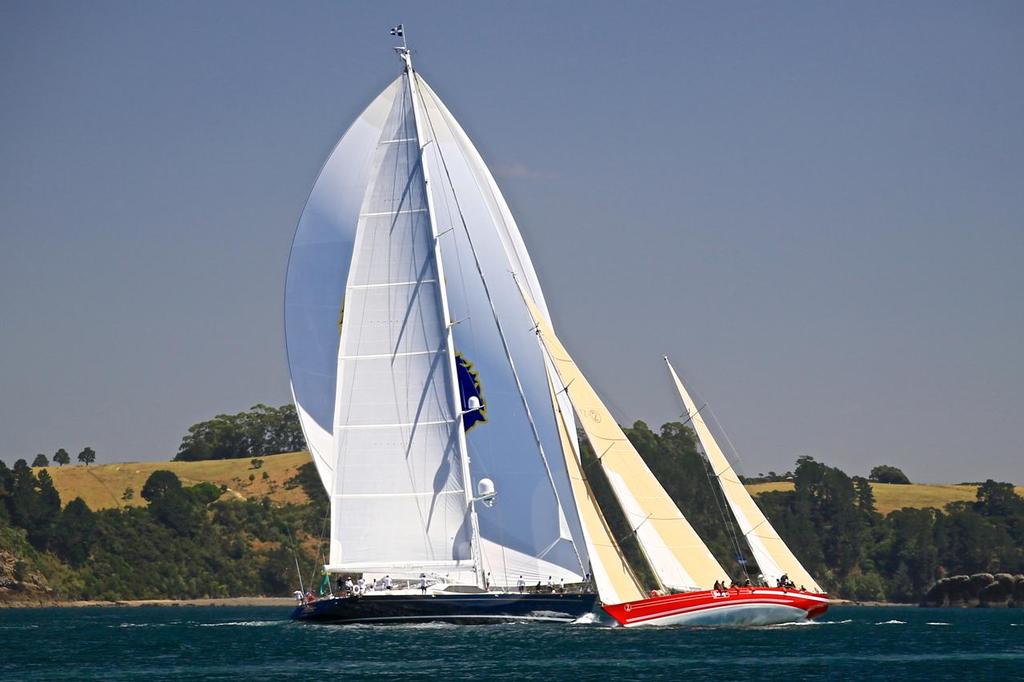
[(677, 555), (773, 557), (614, 580)]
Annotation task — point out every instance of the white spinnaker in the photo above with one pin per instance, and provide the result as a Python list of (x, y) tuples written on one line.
[(398, 498), (773, 556), (317, 271), (527, 519)]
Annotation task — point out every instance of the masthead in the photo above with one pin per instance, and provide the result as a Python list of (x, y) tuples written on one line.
[(404, 52)]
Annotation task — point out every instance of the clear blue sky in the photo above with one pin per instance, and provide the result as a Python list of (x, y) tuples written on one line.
[(817, 209)]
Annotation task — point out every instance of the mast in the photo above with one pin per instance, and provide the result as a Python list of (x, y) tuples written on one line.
[(406, 55), (773, 556)]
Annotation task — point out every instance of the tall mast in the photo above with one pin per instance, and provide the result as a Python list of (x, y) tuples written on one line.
[(467, 483)]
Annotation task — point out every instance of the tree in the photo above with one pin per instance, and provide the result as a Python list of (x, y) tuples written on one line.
[(61, 457), (159, 483), (128, 494), (263, 430), (87, 456), (73, 537), (884, 473), (40, 461)]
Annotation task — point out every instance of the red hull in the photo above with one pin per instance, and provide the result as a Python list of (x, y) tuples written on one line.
[(738, 606)]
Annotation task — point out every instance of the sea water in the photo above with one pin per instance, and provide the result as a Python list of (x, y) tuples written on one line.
[(232, 643)]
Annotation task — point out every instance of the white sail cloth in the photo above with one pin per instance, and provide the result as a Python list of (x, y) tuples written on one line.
[(528, 520), (398, 497), (317, 271)]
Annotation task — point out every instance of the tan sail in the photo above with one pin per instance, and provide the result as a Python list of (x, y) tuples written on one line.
[(773, 557), (614, 580), (677, 555)]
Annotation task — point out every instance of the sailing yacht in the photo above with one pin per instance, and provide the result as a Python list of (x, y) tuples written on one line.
[(441, 410), (693, 587), (422, 394)]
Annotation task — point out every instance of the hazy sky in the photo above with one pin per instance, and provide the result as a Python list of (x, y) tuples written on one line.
[(817, 209)]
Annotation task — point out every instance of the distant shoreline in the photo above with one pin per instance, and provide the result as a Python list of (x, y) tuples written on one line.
[(256, 601), (226, 601)]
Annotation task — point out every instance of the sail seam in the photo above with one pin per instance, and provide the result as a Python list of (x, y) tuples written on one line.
[(402, 212), (344, 496), (392, 426), (393, 284), (382, 356)]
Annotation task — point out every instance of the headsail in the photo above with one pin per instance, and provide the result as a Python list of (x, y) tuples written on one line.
[(677, 555), (612, 575), (773, 557)]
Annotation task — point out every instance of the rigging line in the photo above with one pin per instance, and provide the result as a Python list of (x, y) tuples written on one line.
[(501, 335), (295, 556), (487, 437), (729, 529)]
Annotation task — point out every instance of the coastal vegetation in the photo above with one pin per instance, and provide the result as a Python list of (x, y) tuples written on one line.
[(236, 527), (263, 430)]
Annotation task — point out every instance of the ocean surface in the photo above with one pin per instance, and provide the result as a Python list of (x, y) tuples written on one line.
[(230, 643)]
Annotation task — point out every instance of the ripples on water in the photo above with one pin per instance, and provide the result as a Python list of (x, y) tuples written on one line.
[(230, 643)]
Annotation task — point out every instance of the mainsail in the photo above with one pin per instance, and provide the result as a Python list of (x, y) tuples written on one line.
[(675, 552), (773, 556), (399, 498)]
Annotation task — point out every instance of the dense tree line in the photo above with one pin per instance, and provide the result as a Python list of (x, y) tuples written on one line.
[(830, 522), (188, 542), (263, 430), (185, 544)]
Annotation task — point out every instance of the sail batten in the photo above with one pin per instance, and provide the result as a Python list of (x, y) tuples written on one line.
[(773, 556)]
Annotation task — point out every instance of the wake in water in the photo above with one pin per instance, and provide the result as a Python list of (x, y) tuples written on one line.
[(245, 624), (936, 623), (892, 622), (803, 623)]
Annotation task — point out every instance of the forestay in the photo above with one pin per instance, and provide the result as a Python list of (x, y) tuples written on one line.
[(773, 556)]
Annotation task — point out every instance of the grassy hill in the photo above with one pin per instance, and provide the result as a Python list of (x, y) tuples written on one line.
[(889, 496), (102, 486)]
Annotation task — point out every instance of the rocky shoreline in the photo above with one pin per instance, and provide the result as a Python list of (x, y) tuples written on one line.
[(986, 590)]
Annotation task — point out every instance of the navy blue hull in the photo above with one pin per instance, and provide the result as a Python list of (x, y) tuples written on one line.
[(449, 608)]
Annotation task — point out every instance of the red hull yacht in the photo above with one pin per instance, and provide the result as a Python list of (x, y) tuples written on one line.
[(738, 606)]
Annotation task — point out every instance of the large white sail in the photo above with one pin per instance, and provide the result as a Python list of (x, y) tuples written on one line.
[(773, 556), (533, 529), (675, 552), (317, 271), (518, 446), (398, 498)]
